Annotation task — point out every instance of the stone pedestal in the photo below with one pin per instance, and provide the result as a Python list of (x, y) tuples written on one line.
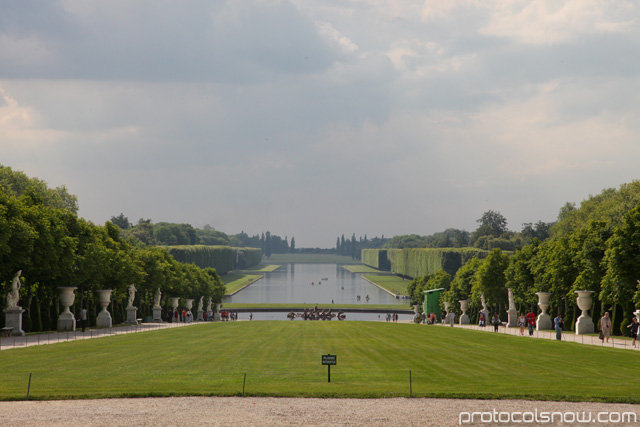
[(512, 318), (584, 324), (157, 314), (464, 317), (200, 316), (104, 317), (131, 315), (216, 315), (66, 320), (13, 319), (544, 321)]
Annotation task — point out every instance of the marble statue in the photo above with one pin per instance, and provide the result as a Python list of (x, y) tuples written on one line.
[(200, 304), (512, 303), (484, 305), (156, 298), (14, 294), (209, 308), (132, 295)]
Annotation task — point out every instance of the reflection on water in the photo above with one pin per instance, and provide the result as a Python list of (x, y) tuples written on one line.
[(313, 284)]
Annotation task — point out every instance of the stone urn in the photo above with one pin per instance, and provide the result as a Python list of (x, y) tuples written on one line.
[(584, 325), (104, 317), (544, 321), (446, 306), (189, 303), (174, 302), (464, 317), (637, 313), (66, 320)]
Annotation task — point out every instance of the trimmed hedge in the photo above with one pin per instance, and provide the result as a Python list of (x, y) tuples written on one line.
[(219, 257), (376, 258), (246, 257), (422, 261)]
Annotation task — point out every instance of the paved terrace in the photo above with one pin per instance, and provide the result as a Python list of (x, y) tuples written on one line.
[(9, 343), (569, 336)]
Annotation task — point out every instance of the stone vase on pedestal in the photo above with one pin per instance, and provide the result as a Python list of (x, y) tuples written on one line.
[(66, 320), (584, 325), (104, 317), (132, 312), (637, 313), (446, 306), (464, 317), (189, 303), (544, 321), (13, 319)]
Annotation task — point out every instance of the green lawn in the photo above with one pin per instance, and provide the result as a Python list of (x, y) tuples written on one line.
[(395, 284), (283, 359), (360, 268), (310, 259), (260, 268), (235, 282)]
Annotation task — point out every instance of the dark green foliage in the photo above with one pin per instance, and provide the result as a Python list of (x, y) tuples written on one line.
[(218, 257), (422, 261), (246, 257)]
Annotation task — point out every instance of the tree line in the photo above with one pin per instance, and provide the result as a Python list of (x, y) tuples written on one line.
[(145, 232), (594, 247), (41, 234)]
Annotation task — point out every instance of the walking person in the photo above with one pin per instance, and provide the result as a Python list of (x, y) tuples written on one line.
[(634, 325), (605, 327), (531, 319), (452, 318), (170, 315), (495, 321), (83, 318), (521, 322), (558, 325)]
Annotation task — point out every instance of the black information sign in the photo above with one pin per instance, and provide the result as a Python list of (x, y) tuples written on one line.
[(329, 359)]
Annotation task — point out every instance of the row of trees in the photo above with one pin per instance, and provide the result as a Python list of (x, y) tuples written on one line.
[(596, 247), (54, 247), (353, 248), (171, 234), (492, 232)]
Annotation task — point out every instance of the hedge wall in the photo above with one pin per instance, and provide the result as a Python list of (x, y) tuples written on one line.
[(219, 257), (246, 257), (420, 262), (376, 258)]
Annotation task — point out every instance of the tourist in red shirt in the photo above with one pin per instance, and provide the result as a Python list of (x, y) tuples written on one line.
[(531, 319)]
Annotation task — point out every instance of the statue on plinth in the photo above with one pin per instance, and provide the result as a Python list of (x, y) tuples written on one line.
[(209, 306), (512, 313), (132, 295), (156, 298), (201, 304), (14, 294)]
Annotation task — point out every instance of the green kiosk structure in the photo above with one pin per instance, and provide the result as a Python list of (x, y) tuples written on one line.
[(432, 302)]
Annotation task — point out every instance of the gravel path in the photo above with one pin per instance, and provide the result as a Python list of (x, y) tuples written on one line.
[(269, 411)]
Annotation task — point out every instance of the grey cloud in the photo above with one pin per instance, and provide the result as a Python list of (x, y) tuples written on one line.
[(167, 41)]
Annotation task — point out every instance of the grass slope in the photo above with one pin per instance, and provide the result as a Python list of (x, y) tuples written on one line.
[(283, 359), (395, 284), (235, 282)]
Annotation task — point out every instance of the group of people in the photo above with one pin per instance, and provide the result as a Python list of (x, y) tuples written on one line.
[(174, 316), (317, 314), (226, 315), (392, 317)]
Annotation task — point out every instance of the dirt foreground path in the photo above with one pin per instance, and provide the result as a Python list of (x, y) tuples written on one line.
[(269, 411)]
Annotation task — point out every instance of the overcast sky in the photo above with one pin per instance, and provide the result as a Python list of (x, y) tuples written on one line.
[(316, 118)]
